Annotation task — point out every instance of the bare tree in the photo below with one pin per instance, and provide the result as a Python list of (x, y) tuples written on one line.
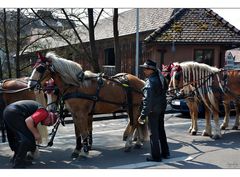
[(116, 42), (18, 43), (92, 40), (77, 16), (6, 44)]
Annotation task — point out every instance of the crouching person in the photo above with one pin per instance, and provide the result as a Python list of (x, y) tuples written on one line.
[(21, 119)]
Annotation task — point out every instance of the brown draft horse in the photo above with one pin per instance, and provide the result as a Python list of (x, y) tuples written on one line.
[(200, 82), (86, 93)]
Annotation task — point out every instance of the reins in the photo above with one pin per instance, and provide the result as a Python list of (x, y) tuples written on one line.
[(192, 92)]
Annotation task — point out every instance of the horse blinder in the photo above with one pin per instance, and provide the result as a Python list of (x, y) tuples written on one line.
[(41, 69)]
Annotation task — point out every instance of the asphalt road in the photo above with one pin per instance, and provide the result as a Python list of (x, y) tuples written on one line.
[(187, 152)]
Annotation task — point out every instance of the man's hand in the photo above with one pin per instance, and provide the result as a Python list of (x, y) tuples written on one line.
[(38, 138), (141, 120), (33, 129)]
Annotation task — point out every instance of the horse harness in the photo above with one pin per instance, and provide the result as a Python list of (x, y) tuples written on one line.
[(121, 80)]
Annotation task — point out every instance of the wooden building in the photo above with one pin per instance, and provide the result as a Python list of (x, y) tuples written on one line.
[(166, 35)]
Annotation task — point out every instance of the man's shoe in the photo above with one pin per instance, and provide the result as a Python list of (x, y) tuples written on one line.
[(153, 160), (20, 163), (166, 156)]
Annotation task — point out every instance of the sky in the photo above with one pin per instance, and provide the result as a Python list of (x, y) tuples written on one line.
[(230, 15), (228, 9)]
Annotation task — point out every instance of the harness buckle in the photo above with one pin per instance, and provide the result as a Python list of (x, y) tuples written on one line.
[(94, 98)]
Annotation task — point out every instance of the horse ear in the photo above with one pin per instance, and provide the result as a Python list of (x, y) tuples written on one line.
[(178, 68), (41, 57)]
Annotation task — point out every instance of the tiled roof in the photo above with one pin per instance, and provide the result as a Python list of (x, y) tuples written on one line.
[(149, 20), (197, 25)]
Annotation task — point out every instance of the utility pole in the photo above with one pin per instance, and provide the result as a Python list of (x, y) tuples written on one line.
[(137, 43)]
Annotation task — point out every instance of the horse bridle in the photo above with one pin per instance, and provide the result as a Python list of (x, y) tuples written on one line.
[(205, 79), (41, 68)]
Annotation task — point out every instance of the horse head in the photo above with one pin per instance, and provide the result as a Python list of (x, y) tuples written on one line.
[(41, 73), (174, 73)]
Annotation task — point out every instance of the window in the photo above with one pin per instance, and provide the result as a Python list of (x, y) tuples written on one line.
[(109, 56), (204, 56)]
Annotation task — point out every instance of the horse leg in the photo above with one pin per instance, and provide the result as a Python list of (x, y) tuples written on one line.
[(78, 147), (193, 107), (226, 117), (208, 130), (217, 131), (237, 108), (3, 132), (2, 125), (126, 132), (135, 126), (89, 139), (128, 144), (83, 124)]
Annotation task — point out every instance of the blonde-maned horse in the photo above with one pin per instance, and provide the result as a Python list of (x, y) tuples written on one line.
[(86, 93), (202, 83), (196, 81)]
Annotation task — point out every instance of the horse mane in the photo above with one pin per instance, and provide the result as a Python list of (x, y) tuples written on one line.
[(202, 74), (67, 69)]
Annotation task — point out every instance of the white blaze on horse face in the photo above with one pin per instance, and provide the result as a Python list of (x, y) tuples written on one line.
[(35, 76)]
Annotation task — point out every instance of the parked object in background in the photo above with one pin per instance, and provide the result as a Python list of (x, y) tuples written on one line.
[(180, 105)]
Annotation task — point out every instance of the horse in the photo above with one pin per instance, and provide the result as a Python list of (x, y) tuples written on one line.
[(202, 83), (87, 93)]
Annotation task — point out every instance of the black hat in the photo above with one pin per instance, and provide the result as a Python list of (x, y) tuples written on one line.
[(149, 64)]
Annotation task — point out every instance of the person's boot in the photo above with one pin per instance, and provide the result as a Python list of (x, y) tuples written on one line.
[(21, 163), (12, 159)]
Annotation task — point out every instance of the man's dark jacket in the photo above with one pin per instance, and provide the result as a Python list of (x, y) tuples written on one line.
[(154, 99)]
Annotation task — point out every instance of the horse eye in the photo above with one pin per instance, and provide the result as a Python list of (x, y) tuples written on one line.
[(41, 69)]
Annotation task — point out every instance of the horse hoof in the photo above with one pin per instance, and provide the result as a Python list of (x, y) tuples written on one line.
[(124, 138), (127, 149), (235, 128), (74, 155), (84, 154), (222, 128), (205, 134), (216, 137), (135, 139), (138, 146), (194, 133)]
